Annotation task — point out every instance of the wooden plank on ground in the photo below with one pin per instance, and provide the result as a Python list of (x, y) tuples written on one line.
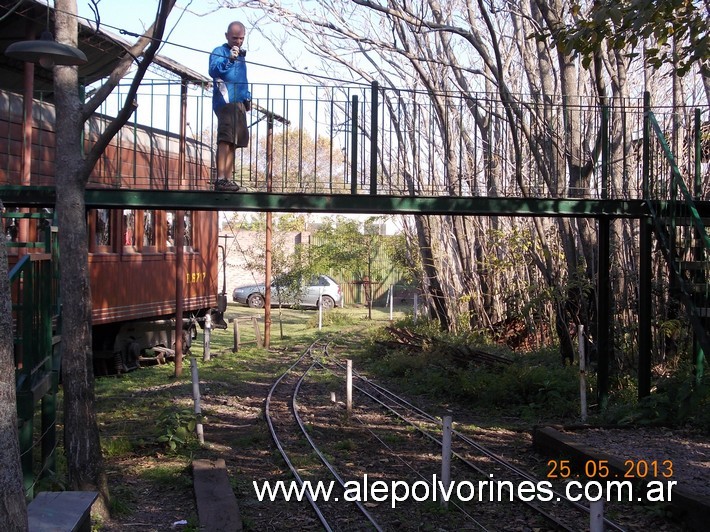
[(216, 504), (61, 511)]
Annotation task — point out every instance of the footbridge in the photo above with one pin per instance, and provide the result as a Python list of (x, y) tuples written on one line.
[(365, 149)]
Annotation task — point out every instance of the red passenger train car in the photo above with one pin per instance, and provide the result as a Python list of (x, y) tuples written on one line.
[(132, 255)]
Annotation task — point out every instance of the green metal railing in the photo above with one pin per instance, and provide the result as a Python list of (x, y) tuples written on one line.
[(33, 281), (683, 237)]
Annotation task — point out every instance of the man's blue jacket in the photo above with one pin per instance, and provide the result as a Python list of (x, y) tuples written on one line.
[(229, 78)]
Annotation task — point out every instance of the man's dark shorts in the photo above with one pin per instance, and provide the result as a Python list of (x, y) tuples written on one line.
[(232, 125)]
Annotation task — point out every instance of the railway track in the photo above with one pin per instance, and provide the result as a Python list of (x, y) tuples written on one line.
[(560, 512), (291, 438), (389, 439)]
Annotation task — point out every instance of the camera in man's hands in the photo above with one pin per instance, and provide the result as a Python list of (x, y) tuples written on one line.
[(236, 52)]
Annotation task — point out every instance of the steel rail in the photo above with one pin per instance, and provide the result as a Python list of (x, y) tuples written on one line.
[(463, 459), (487, 452), (392, 452), (280, 447), (324, 460), (403, 403)]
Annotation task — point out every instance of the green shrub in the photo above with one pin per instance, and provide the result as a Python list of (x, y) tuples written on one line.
[(532, 385), (177, 428), (331, 318), (675, 401)]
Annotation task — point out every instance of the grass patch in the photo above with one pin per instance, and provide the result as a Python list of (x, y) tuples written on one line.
[(116, 446), (169, 475), (345, 445)]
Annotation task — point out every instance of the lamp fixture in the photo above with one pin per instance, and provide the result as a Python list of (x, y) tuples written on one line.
[(46, 51)]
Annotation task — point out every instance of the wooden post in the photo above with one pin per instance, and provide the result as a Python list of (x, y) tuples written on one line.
[(257, 333), (267, 279), (179, 286), (235, 327), (445, 459)]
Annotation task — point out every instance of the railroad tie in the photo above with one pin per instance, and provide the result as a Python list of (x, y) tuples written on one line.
[(217, 507)]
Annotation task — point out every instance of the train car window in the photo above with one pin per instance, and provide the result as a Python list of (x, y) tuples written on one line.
[(149, 237), (12, 228), (170, 218), (129, 230), (100, 231), (169, 235), (188, 230)]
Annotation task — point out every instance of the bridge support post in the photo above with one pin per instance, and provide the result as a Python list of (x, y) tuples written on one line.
[(645, 260), (645, 248), (604, 346), (604, 325)]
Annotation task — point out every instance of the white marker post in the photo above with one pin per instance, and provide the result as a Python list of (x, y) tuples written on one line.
[(596, 516), (416, 307), (391, 301), (349, 386), (206, 355), (445, 458), (196, 397), (582, 374), (320, 308)]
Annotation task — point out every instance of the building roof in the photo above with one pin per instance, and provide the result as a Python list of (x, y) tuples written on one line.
[(18, 18)]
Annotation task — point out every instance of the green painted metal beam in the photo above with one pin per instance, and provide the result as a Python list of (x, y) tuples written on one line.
[(37, 196)]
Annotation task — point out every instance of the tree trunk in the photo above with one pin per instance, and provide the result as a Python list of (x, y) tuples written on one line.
[(436, 294), (81, 432), (13, 510)]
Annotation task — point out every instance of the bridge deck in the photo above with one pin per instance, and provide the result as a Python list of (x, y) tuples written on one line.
[(335, 203)]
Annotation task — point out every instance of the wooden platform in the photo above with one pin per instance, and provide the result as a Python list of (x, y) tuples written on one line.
[(687, 506), (216, 503), (61, 511)]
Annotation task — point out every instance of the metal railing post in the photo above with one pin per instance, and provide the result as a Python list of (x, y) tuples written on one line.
[(646, 164), (353, 147), (373, 138)]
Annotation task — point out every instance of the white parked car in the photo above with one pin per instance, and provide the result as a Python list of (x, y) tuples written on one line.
[(320, 285)]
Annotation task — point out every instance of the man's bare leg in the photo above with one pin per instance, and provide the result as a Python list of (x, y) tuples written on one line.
[(225, 161), (225, 168)]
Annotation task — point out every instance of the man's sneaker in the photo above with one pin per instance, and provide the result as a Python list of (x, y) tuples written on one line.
[(223, 185)]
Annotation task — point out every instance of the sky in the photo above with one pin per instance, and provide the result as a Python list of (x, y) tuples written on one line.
[(194, 32)]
